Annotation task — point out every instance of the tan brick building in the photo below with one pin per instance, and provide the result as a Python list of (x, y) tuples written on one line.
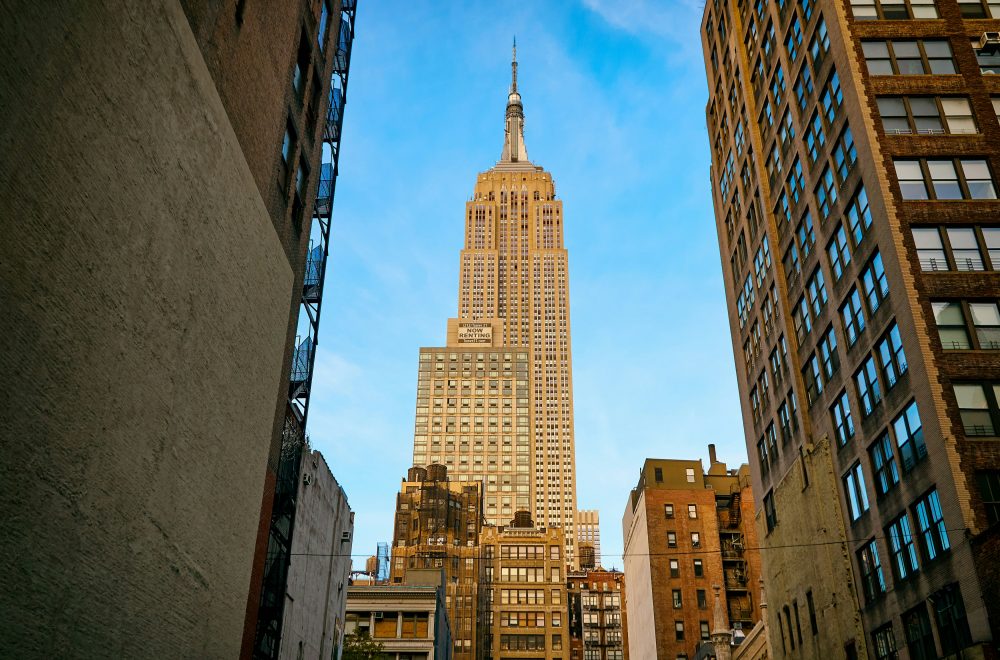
[(437, 526), (686, 530), (523, 592), (856, 151)]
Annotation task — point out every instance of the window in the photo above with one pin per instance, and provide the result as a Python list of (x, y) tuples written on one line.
[(872, 578), (926, 115), (816, 290), (675, 568), (909, 436), (770, 515), (979, 9), (658, 474), (891, 356), (812, 378), (668, 510), (832, 98), (908, 57), (901, 548), (839, 252), (855, 492), (843, 424), (695, 540), (871, 10), (692, 511), (845, 154), (875, 283), (814, 137), (671, 539), (965, 248), (883, 464), (919, 638), (820, 44), (988, 58), (977, 404), (952, 624), (828, 353), (699, 568), (689, 475), (884, 643), (679, 631), (930, 525), (678, 603), (944, 179), (852, 316), (954, 330), (930, 249), (826, 193), (813, 626), (868, 388), (705, 634), (703, 600), (803, 88), (989, 491)]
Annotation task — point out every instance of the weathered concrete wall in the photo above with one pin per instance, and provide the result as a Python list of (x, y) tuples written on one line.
[(321, 565), (145, 305)]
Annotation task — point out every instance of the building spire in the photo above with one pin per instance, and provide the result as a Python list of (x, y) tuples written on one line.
[(514, 150)]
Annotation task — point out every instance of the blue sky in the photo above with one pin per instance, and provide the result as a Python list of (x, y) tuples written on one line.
[(614, 96)]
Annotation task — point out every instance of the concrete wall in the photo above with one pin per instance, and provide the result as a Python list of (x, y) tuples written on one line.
[(320, 566), (145, 307), (639, 603)]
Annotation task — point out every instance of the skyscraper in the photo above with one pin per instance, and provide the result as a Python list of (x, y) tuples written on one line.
[(513, 324), (855, 150)]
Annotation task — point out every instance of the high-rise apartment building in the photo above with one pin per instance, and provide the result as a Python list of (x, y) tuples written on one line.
[(685, 531), (596, 615), (438, 522), (166, 165), (523, 591), (588, 536), (513, 312), (856, 150)]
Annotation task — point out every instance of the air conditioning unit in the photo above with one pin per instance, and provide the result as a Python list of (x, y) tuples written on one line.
[(738, 545), (345, 537), (990, 41), (379, 615), (307, 478), (737, 625)]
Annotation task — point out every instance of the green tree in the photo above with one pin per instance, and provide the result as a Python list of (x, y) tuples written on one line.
[(361, 647)]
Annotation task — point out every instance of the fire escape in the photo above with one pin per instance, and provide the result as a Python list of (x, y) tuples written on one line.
[(279, 546), (734, 565)]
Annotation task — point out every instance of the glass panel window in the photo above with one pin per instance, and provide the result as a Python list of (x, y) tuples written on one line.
[(930, 248), (952, 624), (902, 549), (856, 492), (839, 252), (909, 436), (852, 316), (911, 179), (986, 319), (978, 179), (843, 424), (859, 216), (875, 283), (989, 492), (951, 325), (930, 524), (974, 408), (884, 465), (891, 356), (965, 248), (944, 179), (885, 643), (919, 638), (872, 578), (868, 388), (958, 115)]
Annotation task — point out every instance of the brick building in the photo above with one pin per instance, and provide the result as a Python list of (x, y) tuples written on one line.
[(597, 623), (686, 530), (437, 525), (162, 159), (523, 591), (856, 150)]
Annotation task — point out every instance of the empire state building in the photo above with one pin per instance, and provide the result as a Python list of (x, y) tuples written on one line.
[(496, 404)]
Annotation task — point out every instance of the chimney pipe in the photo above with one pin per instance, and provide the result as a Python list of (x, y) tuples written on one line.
[(711, 455)]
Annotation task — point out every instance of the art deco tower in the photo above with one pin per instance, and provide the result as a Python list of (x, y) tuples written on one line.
[(496, 405)]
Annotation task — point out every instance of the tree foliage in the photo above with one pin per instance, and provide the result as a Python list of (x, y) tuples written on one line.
[(361, 647)]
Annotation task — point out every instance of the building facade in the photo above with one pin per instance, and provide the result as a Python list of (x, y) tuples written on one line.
[(596, 615), (437, 526), (409, 621), (523, 591), (588, 535), (320, 569), (163, 158), (513, 302), (686, 530), (855, 161)]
